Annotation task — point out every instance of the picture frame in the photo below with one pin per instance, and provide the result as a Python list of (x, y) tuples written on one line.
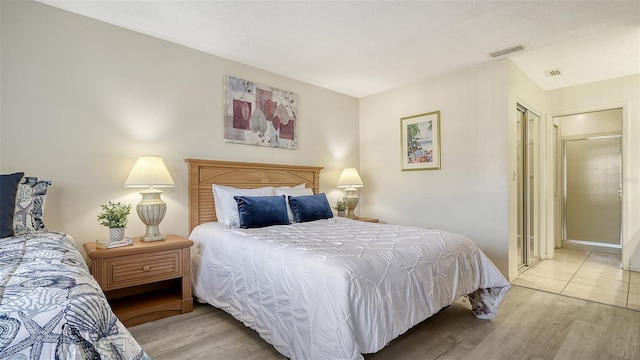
[(420, 141), (256, 114)]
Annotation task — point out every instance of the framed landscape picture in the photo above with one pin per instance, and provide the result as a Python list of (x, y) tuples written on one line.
[(420, 141), (256, 114)]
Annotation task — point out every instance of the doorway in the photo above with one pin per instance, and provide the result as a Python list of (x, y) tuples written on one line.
[(591, 183), (527, 128), (593, 271)]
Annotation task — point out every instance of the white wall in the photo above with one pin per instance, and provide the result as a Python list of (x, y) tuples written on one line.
[(469, 195), (81, 100), (620, 92)]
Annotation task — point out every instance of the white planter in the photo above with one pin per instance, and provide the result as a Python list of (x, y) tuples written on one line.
[(116, 234), (342, 213)]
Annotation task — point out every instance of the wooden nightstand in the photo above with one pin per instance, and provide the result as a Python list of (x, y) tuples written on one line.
[(145, 281), (365, 219)]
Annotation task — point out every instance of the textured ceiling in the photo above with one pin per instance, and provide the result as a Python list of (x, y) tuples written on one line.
[(361, 48)]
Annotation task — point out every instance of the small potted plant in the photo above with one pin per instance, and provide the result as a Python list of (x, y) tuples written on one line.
[(114, 216), (341, 207)]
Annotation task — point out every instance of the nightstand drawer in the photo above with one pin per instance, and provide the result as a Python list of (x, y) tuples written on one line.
[(140, 269)]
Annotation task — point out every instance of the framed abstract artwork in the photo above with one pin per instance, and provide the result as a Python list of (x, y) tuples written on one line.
[(260, 115), (420, 141)]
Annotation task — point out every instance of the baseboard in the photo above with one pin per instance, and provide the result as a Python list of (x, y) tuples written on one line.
[(592, 246)]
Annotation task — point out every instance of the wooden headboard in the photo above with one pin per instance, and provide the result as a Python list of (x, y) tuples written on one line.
[(204, 173)]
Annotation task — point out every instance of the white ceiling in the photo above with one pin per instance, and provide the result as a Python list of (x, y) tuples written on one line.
[(361, 48)]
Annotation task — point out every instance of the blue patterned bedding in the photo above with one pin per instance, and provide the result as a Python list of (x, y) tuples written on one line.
[(51, 307)]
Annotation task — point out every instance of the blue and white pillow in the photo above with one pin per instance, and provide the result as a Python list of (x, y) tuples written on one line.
[(261, 211), (29, 208), (226, 206), (8, 188), (310, 207)]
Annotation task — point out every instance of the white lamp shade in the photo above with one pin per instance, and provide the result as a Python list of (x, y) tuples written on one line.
[(149, 171), (349, 179)]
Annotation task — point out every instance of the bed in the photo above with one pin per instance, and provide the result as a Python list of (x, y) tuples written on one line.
[(331, 288), (50, 305)]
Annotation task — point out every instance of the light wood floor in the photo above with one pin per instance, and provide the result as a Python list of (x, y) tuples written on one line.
[(531, 324)]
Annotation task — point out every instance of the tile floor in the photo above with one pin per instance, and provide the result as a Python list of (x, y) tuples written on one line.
[(585, 275)]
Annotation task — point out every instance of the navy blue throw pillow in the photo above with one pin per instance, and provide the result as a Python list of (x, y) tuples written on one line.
[(310, 207), (261, 211), (8, 190)]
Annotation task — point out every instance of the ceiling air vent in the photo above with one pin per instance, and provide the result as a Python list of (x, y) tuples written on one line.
[(554, 72), (506, 50)]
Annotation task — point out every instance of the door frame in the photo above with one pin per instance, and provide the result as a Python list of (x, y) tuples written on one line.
[(558, 196)]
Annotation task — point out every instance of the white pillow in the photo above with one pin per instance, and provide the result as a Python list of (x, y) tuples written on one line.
[(301, 186), (226, 205), (292, 192)]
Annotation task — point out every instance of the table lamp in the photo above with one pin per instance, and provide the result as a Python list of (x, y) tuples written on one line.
[(349, 179), (150, 172)]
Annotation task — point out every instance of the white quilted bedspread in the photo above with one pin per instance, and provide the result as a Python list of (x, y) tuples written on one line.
[(338, 288)]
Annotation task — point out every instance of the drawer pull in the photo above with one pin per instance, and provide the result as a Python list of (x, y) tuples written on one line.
[(146, 268)]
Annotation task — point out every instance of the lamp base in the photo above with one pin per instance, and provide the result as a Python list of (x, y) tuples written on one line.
[(151, 211), (351, 198), (157, 237)]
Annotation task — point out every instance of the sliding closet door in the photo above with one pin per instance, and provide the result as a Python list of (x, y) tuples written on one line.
[(527, 126)]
